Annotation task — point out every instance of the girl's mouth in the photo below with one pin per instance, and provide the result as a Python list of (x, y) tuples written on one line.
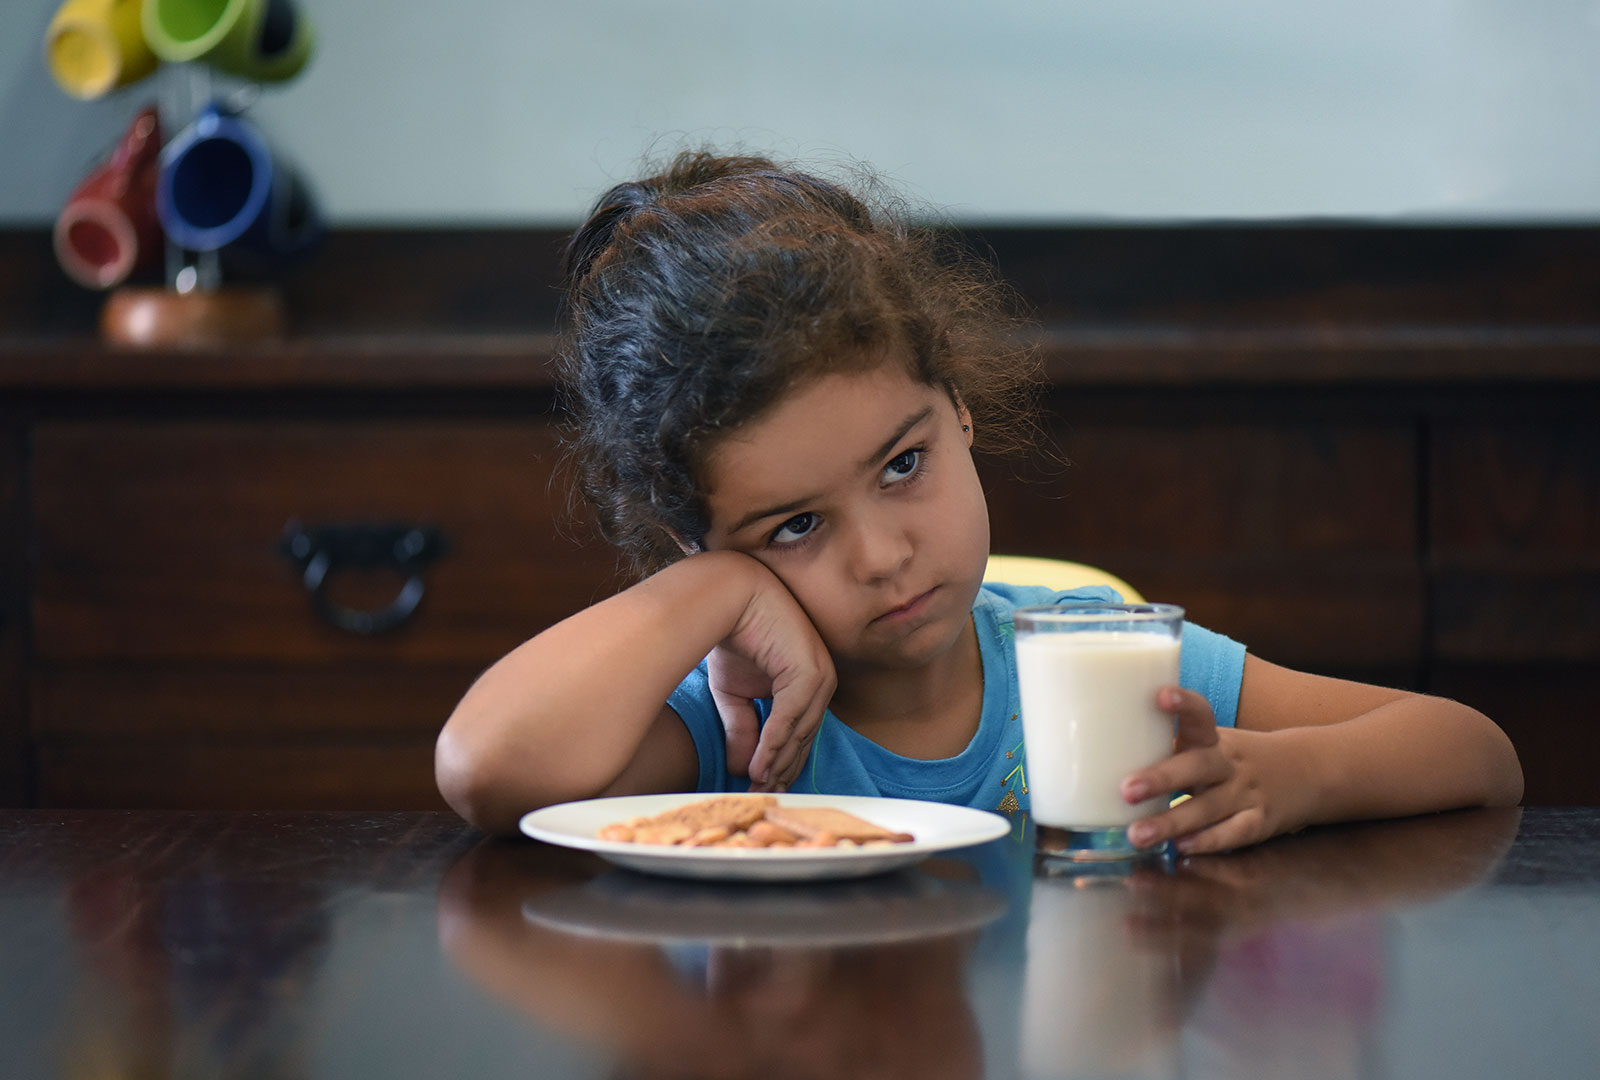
[(910, 609)]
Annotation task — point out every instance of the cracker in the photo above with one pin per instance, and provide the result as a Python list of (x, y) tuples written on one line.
[(826, 824), (734, 813), (751, 821)]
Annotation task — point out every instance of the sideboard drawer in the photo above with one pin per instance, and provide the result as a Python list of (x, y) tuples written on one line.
[(163, 541), (179, 657), (1284, 535), (1515, 526)]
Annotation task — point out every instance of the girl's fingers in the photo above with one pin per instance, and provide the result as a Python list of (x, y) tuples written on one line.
[(790, 760), (1187, 770), (775, 734), (741, 727), (1189, 816), (787, 761), (786, 737), (776, 773), (1201, 825), (798, 746), (1239, 830), (1197, 724)]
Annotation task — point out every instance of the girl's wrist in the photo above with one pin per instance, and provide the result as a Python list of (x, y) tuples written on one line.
[(1289, 774), (712, 569), (1308, 770), (723, 585)]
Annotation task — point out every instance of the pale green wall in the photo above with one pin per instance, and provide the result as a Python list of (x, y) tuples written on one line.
[(488, 111)]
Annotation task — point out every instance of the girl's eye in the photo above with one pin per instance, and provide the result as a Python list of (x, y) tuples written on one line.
[(902, 467), (796, 528)]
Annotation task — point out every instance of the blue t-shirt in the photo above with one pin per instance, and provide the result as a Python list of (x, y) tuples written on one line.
[(989, 774)]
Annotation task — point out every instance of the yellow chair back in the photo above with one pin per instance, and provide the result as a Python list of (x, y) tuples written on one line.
[(1055, 574)]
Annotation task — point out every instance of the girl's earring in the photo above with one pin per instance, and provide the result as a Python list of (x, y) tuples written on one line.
[(966, 427)]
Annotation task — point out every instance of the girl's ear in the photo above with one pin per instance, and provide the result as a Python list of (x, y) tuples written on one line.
[(962, 415)]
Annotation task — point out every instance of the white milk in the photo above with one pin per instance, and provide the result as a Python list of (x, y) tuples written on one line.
[(1089, 718)]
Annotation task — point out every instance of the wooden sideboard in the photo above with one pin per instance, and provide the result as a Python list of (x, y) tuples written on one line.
[(1366, 451)]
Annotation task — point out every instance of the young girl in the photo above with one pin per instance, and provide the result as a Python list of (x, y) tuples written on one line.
[(777, 389)]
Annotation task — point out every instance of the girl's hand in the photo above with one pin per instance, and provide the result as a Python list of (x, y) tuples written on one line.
[(775, 652), (1242, 790)]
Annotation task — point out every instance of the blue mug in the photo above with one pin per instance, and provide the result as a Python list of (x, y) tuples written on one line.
[(221, 186)]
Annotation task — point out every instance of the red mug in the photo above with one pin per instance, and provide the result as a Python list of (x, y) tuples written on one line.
[(109, 228)]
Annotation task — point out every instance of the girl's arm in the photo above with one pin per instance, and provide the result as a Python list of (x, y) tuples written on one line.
[(579, 710), (1308, 750), (1378, 752)]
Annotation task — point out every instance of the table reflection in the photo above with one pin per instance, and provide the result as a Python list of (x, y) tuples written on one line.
[(190, 975), (1302, 977), (677, 978), (1097, 999), (1268, 960)]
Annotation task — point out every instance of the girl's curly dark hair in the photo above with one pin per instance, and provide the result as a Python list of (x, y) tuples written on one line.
[(696, 298)]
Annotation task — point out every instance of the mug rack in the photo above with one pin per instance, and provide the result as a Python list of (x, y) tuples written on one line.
[(195, 307), (171, 209)]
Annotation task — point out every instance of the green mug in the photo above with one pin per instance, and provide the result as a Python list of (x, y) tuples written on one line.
[(263, 40)]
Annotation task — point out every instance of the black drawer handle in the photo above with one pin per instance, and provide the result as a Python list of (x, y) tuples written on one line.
[(318, 550)]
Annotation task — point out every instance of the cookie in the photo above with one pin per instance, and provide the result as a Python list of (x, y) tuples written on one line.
[(819, 823), (733, 813)]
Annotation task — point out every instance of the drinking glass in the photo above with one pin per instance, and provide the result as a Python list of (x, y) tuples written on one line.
[(1088, 675)]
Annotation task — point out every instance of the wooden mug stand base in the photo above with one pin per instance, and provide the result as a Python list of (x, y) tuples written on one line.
[(162, 318)]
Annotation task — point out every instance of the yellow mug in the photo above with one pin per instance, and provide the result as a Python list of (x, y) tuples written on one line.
[(96, 46)]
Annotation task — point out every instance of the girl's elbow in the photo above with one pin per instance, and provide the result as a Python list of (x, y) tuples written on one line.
[(1509, 784), (466, 774), (1503, 780)]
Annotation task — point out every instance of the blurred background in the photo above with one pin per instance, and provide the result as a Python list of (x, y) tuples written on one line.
[(501, 111), (1314, 295)]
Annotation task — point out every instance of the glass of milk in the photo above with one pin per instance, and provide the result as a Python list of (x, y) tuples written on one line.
[(1088, 675)]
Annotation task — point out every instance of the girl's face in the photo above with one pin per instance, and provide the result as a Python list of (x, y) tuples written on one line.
[(858, 491)]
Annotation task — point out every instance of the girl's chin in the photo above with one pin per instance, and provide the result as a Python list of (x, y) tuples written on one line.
[(914, 647)]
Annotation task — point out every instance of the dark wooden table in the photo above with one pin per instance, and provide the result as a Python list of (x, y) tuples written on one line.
[(349, 945)]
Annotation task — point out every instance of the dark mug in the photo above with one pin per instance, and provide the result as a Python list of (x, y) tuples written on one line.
[(221, 186)]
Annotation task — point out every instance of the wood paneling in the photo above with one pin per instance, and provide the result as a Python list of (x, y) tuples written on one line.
[(180, 661), (1328, 277), (1515, 529), (160, 541), (1516, 486), (1252, 488), (239, 700), (1282, 535), (1521, 614), (1364, 451), (1327, 616), (1169, 278), (15, 748), (327, 774)]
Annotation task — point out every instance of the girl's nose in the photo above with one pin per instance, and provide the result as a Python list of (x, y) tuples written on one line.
[(881, 549)]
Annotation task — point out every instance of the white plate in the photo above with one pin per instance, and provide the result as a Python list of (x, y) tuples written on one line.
[(903, 906), (936, 827)]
